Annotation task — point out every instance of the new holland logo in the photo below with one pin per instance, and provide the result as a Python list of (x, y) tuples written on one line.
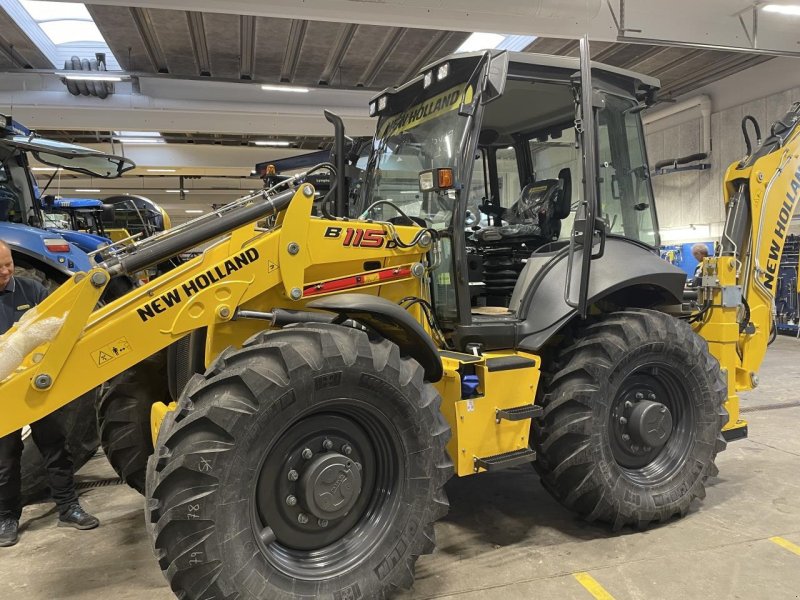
[(200, 282), (779, 234)]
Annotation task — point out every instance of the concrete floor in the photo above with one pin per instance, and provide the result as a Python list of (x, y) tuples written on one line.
[(505, 537)]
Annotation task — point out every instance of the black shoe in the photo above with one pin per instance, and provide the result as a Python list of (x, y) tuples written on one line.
[(78, 518), (8, 532)]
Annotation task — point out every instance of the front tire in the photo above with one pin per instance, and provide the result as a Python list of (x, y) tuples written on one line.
[(123, 417), (310, 463), (632, 420)]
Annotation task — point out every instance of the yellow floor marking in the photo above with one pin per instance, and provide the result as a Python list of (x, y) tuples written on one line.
[(786, 544), (593, 587)]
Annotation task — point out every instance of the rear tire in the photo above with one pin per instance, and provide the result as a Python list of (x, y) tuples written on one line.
[(589, 445), (123, 417), (228, 487)]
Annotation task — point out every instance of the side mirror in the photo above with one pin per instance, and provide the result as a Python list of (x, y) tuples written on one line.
[(496, 77)]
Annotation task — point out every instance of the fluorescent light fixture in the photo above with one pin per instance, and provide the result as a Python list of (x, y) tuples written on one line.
[(285, 88), (91, 76), (488, 41), (88, 190), (160, 170), (142, 140), (792, 10), (44, 168), (271, 143), (194, 212), (409, 192), (138, 133), (177, 191)]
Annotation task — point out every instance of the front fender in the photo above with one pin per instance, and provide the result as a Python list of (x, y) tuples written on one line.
[(392, 322)]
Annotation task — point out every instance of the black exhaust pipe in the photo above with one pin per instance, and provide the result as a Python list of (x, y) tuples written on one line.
[(338, 161)]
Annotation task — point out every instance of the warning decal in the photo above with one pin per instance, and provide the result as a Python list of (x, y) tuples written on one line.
[(111, 351)]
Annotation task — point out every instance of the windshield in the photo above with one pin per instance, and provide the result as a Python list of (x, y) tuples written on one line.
[(428, 135), (71, 157)]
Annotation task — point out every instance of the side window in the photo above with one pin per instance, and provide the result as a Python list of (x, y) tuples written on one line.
[(479, 192), (550, 157), (508, 176), (625, 194)]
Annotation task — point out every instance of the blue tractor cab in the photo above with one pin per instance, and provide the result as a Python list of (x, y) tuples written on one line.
[(41, 250)]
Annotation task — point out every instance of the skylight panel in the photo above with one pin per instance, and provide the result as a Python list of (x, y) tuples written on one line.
[(488, 41), (66, 31), (481, 41), (53, 11), (60, 30)]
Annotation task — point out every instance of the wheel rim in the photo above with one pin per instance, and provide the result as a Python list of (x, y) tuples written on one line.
[(652, 423), (327, 488)]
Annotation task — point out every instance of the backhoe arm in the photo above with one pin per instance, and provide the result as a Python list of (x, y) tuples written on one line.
[(761, 193)]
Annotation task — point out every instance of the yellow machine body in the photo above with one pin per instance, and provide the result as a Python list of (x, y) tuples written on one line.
[(252, 268), (477, 430), (772, 184)]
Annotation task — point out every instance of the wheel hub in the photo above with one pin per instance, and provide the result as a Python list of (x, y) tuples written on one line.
[(641, 421), (650, 424), (330, 485)]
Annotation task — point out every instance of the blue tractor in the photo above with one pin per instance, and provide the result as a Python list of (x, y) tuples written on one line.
[(51, 255)]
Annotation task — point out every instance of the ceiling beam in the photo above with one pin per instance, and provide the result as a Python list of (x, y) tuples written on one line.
[(346, 33), (291, 56), (144, 25), (431, 49), (247, 47), (197, 33), (393, 36)]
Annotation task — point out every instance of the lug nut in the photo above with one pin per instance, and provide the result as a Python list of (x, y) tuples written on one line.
[(626, 437), (293, 476), (639, 396), (628, 404), (623, 421), (347, 450), (646, 448), (651, 396), (307, 453), (322, 522), (327, 444), (635, 448), (302, 518), (291, 500)]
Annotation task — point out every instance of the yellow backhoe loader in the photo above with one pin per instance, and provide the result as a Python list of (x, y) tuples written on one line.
[(494, 299)]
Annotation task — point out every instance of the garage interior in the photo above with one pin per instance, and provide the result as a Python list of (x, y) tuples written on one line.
[(203, 100)]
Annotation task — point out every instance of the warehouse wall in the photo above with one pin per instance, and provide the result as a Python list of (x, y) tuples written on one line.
[(695, 197)]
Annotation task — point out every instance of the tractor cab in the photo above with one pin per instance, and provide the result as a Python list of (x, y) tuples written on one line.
[(488, 151)]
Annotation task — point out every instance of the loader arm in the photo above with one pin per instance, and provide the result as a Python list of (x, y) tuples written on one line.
[(298, 260), (739, 283)]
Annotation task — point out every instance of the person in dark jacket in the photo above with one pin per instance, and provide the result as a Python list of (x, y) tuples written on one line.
[(18, 294)]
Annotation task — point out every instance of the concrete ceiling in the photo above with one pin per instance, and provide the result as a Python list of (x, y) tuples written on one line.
[(197, 74)]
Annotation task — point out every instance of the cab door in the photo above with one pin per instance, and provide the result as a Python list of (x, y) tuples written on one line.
[(588, 231)]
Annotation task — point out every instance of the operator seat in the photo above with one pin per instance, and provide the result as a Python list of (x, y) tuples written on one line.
[(543, 204)]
